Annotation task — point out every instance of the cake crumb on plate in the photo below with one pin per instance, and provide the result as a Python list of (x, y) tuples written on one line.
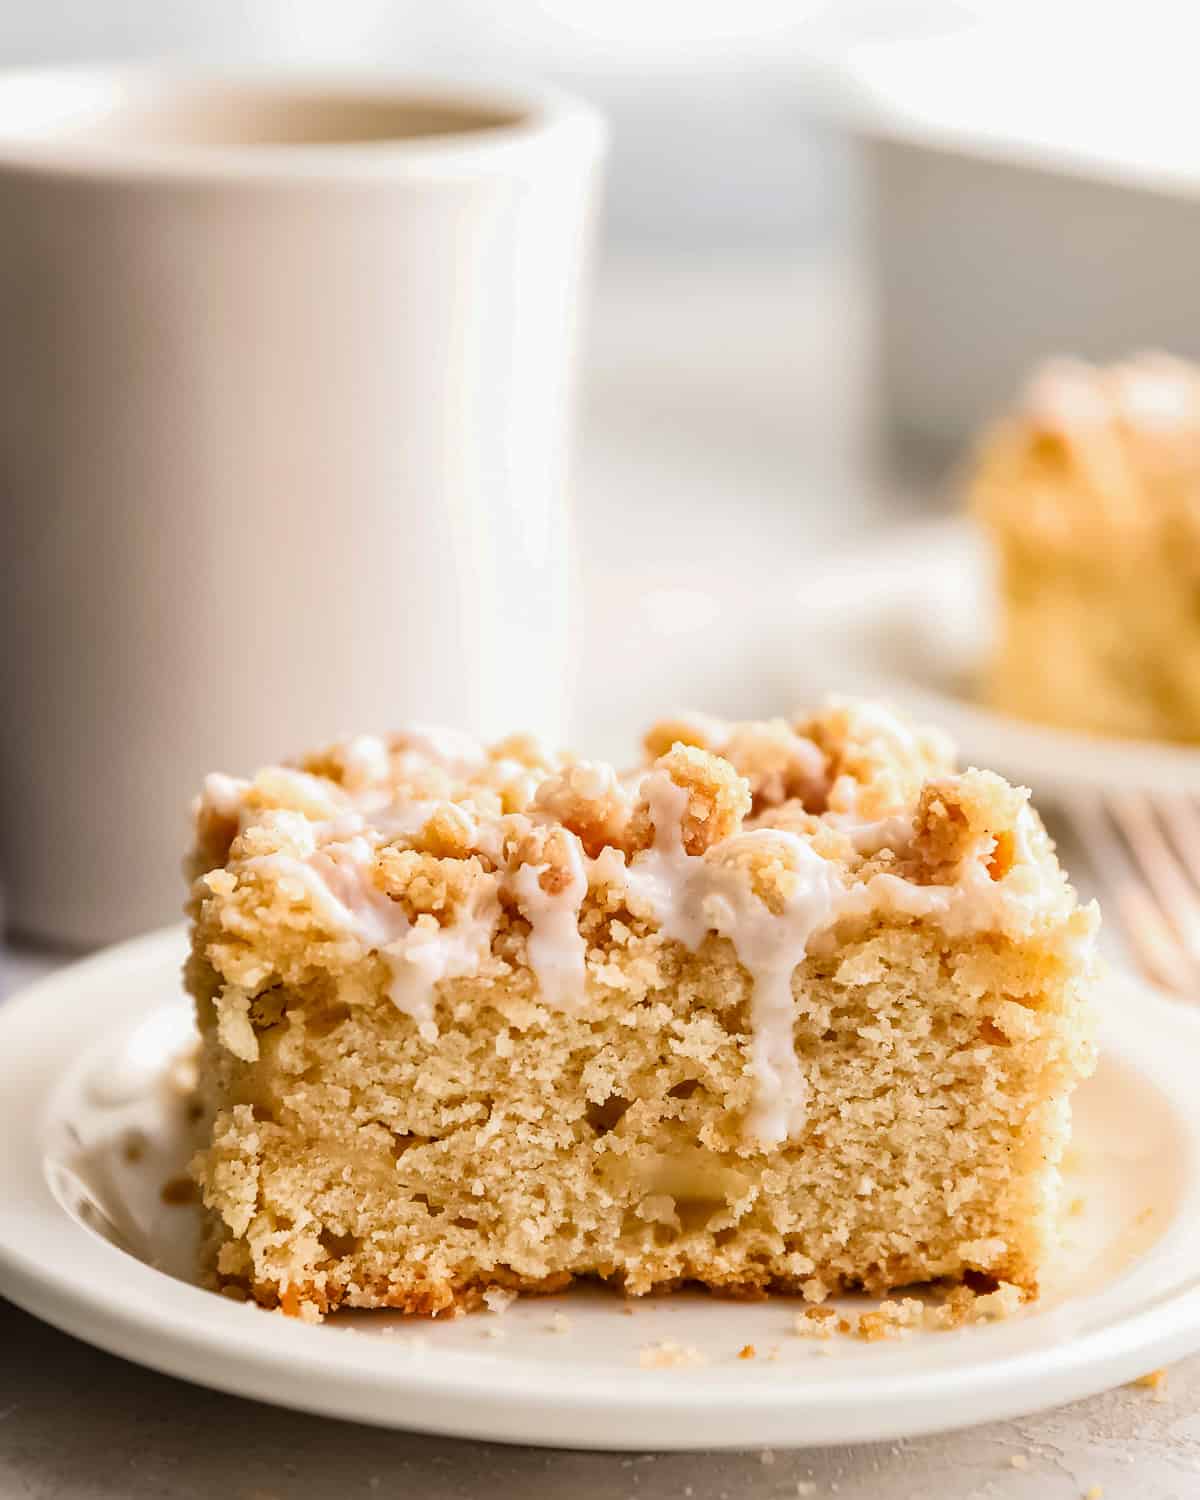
[(815, 1323), (666, 1354), (1153, 1380), (891, 1319)]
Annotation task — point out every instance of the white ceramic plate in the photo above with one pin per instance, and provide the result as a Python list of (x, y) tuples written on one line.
[(87, 1243), (908, 619)]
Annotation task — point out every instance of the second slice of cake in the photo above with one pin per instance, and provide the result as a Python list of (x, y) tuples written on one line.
[(797, 1005), (1089, 491)]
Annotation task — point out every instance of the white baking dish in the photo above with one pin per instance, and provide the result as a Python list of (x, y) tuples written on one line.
[(1033, 186)]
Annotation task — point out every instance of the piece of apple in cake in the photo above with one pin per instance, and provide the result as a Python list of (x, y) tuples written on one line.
[(1090, 493), (795, 1006)]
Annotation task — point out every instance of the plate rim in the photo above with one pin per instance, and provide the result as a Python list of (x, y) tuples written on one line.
[(868, 584), (114, 1301)]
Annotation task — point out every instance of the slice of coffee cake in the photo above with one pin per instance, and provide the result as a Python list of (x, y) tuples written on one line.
[(795, 1006), (1090, 494)]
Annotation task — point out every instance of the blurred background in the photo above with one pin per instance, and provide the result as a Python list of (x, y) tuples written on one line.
[(836, 234), (727, 402)]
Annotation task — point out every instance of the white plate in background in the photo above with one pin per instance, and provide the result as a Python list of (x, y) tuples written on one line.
[(907, 618), (87, 1243)]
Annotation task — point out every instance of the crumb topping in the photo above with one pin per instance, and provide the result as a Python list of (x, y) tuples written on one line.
[(1098, 449), (439, 859)]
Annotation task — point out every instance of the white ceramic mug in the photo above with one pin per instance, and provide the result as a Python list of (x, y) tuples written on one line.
[(285, 376)]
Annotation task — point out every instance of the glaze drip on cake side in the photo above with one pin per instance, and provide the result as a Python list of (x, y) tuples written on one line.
[(423, 849), (691, 896)]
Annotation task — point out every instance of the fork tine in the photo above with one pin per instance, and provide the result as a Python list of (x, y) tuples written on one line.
[(1134, 813), (1181, 817), (1149, 935)]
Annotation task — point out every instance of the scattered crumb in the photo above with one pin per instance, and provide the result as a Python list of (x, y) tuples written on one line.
[(747, 1351), (1096, 1492), (1076, 1207), (815, 1323), (179, 1190), (891, 1320), (767, 1456), (773, 1354), (1019, 1461), (1155, 1381), (668, 1355), (559, 1323), (627, 1309), (493, 1332), (499, 1299), (963, 1307)]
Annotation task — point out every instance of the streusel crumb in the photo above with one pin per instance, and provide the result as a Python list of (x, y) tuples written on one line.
[(717, 800)]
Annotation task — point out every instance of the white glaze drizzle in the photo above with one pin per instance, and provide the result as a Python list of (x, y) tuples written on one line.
[(556, 948), (975, 902), (450, 748), (365, 760), (1064, 395), (428, 954), (337, 883), (870, 838), (692, 896), (401, 819), (1157, 396), (335, 878), (1150, 393), (222, 794)]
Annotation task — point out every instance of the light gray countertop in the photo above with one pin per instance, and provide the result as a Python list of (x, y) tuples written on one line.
[(767, 361)]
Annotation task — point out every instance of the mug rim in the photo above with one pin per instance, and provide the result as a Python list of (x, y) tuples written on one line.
[(545, 118)]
